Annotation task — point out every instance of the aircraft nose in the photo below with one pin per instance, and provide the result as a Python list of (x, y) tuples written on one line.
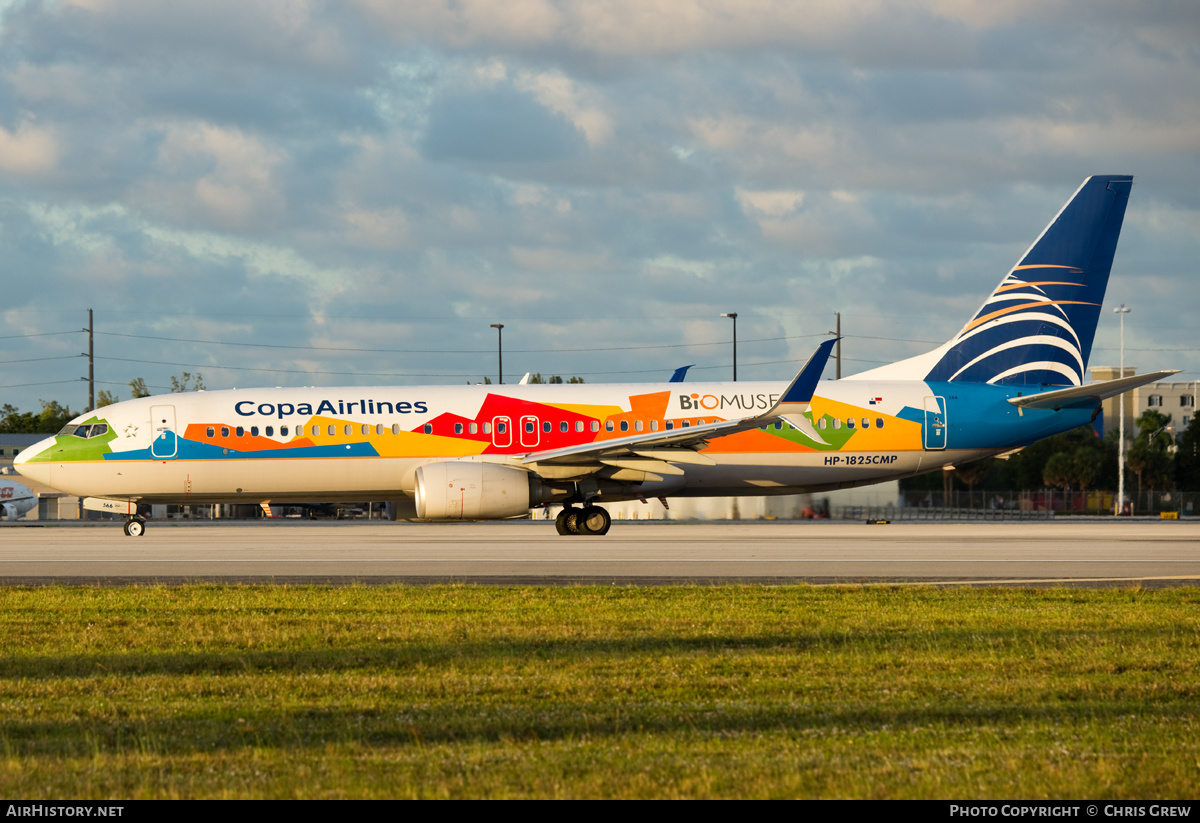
[(27, 463)]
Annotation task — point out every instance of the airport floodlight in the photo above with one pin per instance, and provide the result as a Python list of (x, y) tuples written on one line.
[(1122, 310)]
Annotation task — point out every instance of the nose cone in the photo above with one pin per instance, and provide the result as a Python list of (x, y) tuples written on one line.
[(34, 462)]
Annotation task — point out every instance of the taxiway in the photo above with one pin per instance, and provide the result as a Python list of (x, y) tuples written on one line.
[(1102, 552)]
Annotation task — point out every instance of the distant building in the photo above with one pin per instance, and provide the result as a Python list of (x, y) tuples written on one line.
[(13, 444), (1177, 399)]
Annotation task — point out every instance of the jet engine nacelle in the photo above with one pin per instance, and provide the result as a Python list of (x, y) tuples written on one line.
[(466, 490), (12, 511)]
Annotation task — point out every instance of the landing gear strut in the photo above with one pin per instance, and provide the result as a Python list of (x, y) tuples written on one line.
[(591, 520), (135, 527)]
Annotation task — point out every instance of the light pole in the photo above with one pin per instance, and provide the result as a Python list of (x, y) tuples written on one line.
[(733, 315), (499, 327), (1121, 310)]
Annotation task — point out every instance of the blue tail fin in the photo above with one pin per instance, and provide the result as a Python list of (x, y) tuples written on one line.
[(1037, 327)]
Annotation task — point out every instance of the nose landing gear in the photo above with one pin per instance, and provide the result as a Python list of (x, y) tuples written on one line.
[(135, 527)]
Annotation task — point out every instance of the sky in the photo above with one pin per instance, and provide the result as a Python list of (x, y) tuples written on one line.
[(295, 193)]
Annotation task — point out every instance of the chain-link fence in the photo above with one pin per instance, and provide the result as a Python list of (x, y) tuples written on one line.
[(1039, 505)]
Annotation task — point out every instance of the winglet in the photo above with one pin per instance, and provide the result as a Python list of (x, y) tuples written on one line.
[(679, 374), (800, 391)]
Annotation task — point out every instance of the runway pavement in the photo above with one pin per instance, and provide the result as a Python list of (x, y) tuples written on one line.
[(1093, 553)]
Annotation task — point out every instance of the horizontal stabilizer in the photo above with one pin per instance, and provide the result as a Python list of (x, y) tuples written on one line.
[(1090, 393)]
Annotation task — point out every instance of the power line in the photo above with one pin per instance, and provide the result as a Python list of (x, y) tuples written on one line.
[(38, 334), (38, 359), (447, 351), (45, 383)]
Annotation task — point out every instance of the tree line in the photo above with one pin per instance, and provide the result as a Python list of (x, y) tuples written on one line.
[(54, 416)]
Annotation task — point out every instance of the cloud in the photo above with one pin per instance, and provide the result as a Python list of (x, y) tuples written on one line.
[(497, 125), (29, 151), (213, 176), (416, 171)]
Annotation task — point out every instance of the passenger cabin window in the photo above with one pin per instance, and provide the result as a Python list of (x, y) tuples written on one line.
[(210, 431), (487, 428), (546, 426), (429, 428), (283, 430), (879, 422), (332, 430), (624, 425), (316, 430), (270, 431), (379, 428), (254, 431), (578, 425), (366, 428), (653, 425), (224, 431), (240, 432), (474, 428), (849, 422), (529, 426), (395, 428), (637, 427), (501, 428), (595, 425), (822, 423), (608, 425), (866, 421), (564, 427), (670, 425), (837, 423)]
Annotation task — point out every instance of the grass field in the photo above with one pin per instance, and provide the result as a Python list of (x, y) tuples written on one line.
[(738, 691)]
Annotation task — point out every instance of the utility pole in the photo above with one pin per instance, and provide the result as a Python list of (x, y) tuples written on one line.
[(499, 327), (91, 366), (838, 329), (733, 316)]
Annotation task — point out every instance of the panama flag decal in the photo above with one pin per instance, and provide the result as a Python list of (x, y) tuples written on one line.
[(874, 401)]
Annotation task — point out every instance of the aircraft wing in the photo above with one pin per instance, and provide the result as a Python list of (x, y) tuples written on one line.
[(1090, 393), (652, 451)]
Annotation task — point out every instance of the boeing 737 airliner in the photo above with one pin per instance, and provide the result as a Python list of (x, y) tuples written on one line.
[(1013, 374)]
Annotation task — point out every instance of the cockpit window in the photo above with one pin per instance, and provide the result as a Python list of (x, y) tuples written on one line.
[(94, 430)]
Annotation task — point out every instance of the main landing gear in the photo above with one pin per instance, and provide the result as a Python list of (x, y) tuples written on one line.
[(135, 527), (588, 520)]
